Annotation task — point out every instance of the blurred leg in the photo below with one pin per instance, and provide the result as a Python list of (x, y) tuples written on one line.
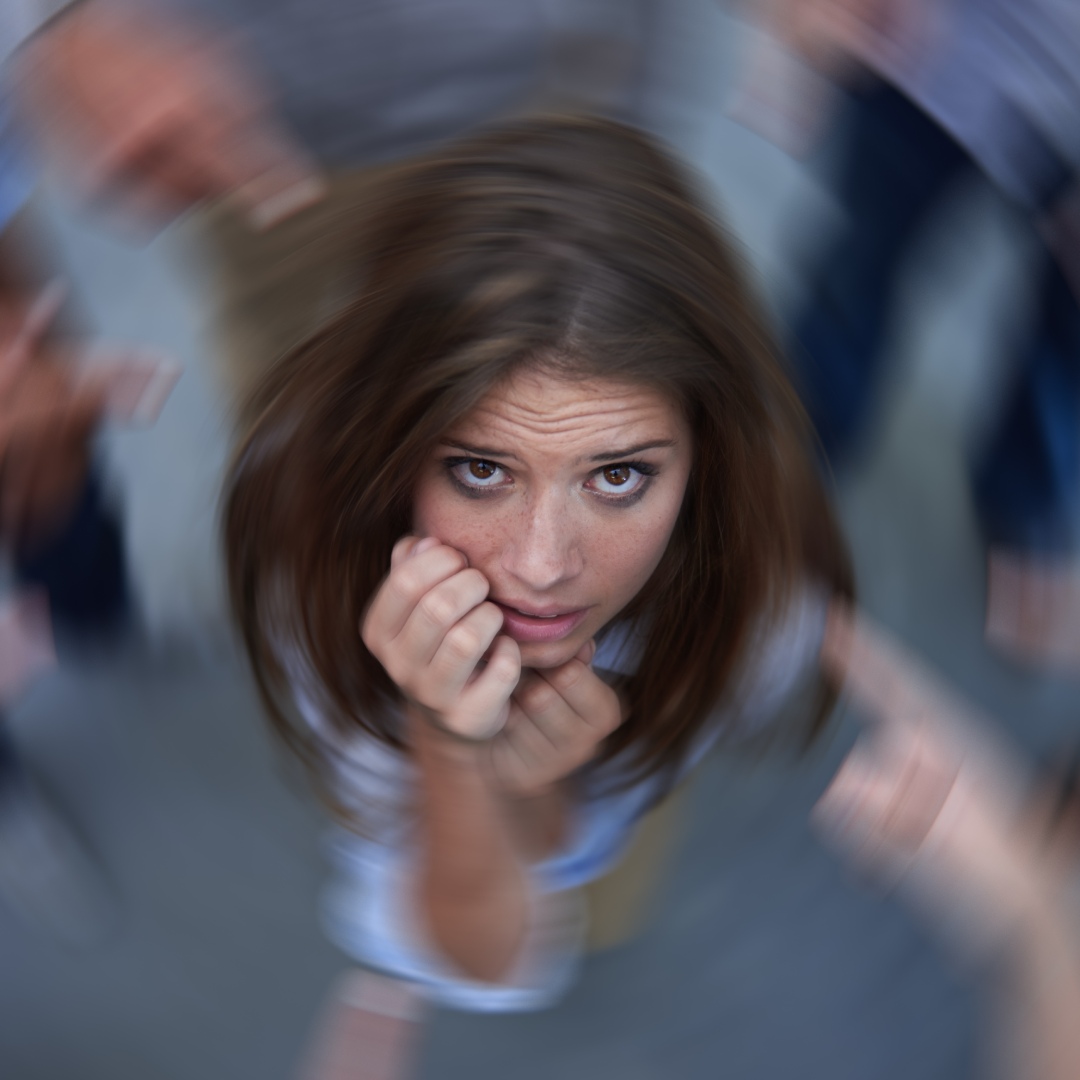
[(895, 165), (1027, 483), (81, 566)]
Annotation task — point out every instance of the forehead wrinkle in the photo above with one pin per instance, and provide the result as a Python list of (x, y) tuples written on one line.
[(587, 427)]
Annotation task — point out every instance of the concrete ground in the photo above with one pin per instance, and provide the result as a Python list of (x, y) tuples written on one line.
[(765, 959)]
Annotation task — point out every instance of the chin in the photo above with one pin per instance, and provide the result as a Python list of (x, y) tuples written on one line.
[(549, 654)]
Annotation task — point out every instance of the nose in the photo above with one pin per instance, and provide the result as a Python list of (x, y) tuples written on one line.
[(545, 546)]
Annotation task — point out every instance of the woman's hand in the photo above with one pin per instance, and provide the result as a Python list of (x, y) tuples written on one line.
[(432, 629), (557, 719)]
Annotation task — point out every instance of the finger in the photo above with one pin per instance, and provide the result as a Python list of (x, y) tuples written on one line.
[(485, 703), (589, 698), (426, 543), (523, 757), (30, 331), (855, 799), (545, 710), (408, 546), (887, 683), (268, 176), (406, 583), (462, 648), (919, 795), (587, 651), (402, 550), (136, 385), (437, 611), (850, 816), (41, 315)]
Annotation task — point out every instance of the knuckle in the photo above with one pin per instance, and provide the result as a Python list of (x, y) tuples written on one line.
[(464, 642), (436, 608), (405, 583), (538, 696), (569, 675), (473, 580), (505, 669)]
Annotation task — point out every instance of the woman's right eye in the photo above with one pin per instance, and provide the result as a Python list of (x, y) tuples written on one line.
[(476, 473)]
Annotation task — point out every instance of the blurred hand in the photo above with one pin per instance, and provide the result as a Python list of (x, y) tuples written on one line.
[(432, 628), (832, 34), (557, 720), (153, 115), (49, 411), (928, 801)]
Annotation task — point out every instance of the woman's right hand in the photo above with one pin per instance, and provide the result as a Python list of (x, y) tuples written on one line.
[(432, 628)]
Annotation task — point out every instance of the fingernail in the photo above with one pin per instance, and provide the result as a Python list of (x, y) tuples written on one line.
[(426, 544), (43, 310), (156, 393), (275, 209)]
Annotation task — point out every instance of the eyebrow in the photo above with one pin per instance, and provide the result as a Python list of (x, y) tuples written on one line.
[(629, 451), (488, 452)]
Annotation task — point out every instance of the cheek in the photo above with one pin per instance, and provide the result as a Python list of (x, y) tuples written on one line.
[(454, 521), (627, 552)]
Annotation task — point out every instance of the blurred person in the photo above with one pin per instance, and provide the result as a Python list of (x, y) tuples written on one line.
[(940, 91), (286, 114), (514, 539), (63, 543), (935, 803)]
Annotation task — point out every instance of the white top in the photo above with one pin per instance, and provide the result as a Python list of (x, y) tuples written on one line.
[(367, 908)]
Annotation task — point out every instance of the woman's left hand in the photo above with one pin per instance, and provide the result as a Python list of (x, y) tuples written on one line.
[(558, 717)]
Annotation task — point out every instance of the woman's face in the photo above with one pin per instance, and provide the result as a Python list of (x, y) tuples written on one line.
[(563, 493)]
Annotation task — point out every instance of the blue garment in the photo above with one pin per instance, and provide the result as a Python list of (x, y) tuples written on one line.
[(897, 166), (16, 179)]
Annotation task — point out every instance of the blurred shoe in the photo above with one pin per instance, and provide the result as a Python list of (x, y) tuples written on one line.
[(1033, 610), (48, 877)]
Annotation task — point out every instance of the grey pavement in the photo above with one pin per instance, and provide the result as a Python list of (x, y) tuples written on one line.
[(765, 959)]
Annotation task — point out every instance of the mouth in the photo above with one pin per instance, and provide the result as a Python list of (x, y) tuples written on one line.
[(549, 625)]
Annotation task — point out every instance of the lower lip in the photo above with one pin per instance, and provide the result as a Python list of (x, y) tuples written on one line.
[(528, 628)]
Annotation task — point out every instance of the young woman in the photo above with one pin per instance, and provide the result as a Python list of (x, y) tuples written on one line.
[(515, 538)]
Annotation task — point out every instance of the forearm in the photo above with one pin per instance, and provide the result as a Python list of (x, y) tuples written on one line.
[(540, 821), (473, 888), (1040, 995)]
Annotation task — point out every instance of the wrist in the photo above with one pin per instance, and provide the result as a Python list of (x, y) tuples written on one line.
[(434, 742)]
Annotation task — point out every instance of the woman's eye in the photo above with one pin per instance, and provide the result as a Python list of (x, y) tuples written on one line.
[(477, 473), (621, 479)]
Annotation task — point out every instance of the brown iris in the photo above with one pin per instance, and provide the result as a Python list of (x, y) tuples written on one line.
[(482, 470), (617, 475)]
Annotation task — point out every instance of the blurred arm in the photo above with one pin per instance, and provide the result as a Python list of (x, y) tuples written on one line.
[(473, 888), (150, 111)]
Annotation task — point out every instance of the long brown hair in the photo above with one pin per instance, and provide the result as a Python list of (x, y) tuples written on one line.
[(569, 242)]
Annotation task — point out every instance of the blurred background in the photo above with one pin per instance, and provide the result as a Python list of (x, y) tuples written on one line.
[(766, 957)]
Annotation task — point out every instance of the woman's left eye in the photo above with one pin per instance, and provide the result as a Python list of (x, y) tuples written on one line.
[(622, 479)]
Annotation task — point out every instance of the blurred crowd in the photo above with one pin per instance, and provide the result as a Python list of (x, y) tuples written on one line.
[(275, 130)]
